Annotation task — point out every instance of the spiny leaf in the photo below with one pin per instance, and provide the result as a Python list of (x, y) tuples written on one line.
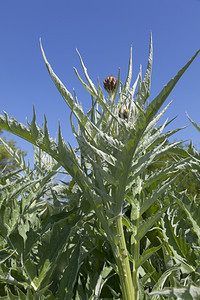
[(147, 224), (191, 292), (195, 124), (146, 255), (155, 195), (75, 108), (147, 77), (155, 105), (88, 147), (144, 86), (117, 86), (191, 209), (84, 84), (163, 174), (66, 286), (163, 278), (91, 84), (152, 124), (129, 75), (178, 245)]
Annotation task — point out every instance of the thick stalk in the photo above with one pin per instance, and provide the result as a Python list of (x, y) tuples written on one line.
[(121, 256), (135, 243), (135, 255)]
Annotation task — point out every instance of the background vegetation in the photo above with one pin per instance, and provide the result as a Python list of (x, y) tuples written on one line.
[(7, 162)]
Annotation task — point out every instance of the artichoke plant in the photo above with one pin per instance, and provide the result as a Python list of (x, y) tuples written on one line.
[(118, 140)]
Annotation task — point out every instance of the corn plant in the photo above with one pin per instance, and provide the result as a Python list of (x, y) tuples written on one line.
[(118, 139)]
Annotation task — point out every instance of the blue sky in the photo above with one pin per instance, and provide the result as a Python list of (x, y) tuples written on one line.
[(103, 32)]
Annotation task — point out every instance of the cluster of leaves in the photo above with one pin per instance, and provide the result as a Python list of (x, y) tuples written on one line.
[(49, 237), (123, 226)]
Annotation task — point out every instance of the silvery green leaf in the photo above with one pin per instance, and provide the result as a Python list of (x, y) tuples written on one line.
[(129, 75), (195, 124), (91, 84), (191, 292), (155, 105), (148, 224)]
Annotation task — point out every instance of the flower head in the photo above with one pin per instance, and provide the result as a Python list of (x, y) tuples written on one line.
[(125, 113), (110, 84)]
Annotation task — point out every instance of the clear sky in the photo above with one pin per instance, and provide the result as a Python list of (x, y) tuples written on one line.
[(103, 32)]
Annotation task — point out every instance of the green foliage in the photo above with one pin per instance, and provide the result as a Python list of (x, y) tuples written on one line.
[(121, 228), (7, 163)]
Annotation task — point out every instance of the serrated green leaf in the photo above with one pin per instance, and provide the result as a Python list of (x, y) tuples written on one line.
[(155, 105), (193, 123), (16, 241), (156, 194), (163, 278), (66, 286), (191, 209), (84, 84), (147, 76), (146, 255), (190, 292), (10, 295), (147, 224), (91, 84), (178, 245), (129, 75), (103, 277)]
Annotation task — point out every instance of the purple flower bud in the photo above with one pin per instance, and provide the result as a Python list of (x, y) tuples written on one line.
[(110, 84)]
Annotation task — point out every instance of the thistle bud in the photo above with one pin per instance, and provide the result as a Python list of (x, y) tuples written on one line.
[(125, 113), (110, 84)]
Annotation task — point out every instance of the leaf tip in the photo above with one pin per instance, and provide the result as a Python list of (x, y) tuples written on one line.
[(42, 50), (78, 52)]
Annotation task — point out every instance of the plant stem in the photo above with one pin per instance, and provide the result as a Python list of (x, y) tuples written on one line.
[(121, 255), (134, 270), (136, 247)]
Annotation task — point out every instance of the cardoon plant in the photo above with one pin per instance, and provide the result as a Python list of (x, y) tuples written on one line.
[(118, 139)]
